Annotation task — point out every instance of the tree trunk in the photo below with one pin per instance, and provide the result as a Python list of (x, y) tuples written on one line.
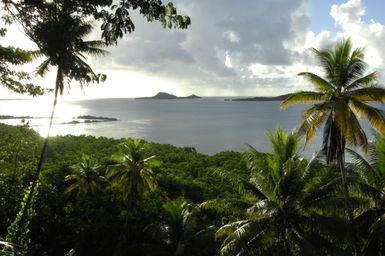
[(348, 202), (35, 178)]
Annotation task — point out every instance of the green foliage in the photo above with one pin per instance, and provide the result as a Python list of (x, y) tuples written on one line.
[(19, 230), (114, 16), (16, 81), (19, 149), (282, 205), (118, 22)]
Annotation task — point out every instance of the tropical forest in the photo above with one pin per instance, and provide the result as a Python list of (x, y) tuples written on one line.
[(75, 195)]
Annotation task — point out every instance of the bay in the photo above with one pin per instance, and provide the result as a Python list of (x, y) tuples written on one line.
[(209, 124)]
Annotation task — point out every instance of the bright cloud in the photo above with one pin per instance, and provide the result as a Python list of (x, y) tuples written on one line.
[(371, 35)]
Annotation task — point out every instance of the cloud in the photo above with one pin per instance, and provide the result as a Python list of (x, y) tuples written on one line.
[(222, 48), (243, 47), (371, 35)]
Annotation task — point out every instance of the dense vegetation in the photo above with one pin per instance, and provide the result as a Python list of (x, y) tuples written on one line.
[(91, 222), (190, 203)]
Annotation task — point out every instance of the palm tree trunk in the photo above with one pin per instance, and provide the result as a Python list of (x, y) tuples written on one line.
[(348, 202), (35, 178), (122, 236)]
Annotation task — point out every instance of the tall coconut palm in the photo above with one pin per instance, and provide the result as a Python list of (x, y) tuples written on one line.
[(339, 99), (60, 38), (86, 179), (284, 206)]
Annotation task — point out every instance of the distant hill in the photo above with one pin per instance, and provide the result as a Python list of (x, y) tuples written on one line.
[(167, 96), (275, 98)]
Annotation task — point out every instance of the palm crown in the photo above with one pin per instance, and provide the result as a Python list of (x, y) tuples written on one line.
[(85, 179), (133, 170), (340, 98), (61, 40)]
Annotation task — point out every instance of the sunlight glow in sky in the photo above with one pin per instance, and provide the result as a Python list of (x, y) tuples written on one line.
[(231, 49)]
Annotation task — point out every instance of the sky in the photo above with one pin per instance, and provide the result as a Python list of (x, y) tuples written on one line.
[(232, 48)]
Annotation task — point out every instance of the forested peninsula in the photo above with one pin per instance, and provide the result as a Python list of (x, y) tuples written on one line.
[(263, 98)]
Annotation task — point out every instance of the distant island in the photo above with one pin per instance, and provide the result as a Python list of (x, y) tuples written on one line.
[(167, 96), (263, 98), (90, 119), (2, 117), (96, 118)]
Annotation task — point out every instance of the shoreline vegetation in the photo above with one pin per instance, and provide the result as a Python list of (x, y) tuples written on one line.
[(262, 98)]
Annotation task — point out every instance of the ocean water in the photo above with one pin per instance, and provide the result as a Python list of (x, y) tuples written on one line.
[(210, 124)]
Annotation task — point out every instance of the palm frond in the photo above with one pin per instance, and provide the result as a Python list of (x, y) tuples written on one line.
[(319, 83), (240, 235), (362, 166), (302, 244), (36, 54), (262, 209), (375, 116), (376, 238), (362, 81), (321, 193), (377, 155), (357, 137), (355, 68), (225, 205), (290, 184), (227, 229), (309, 173), (313, 118), (368, 94), (370, 191), (303, 97), (43, 68), (326, 60)]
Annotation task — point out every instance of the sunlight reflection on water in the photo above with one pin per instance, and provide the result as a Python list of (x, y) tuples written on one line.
[(41, 109)]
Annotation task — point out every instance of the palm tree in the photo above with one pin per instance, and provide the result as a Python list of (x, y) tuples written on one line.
[(132, 172), (86, 179), (60, 37), (338, 101), (371, 185), (285, 206), (181, 232)]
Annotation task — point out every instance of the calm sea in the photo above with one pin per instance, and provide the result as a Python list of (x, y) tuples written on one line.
[(210, 125)]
